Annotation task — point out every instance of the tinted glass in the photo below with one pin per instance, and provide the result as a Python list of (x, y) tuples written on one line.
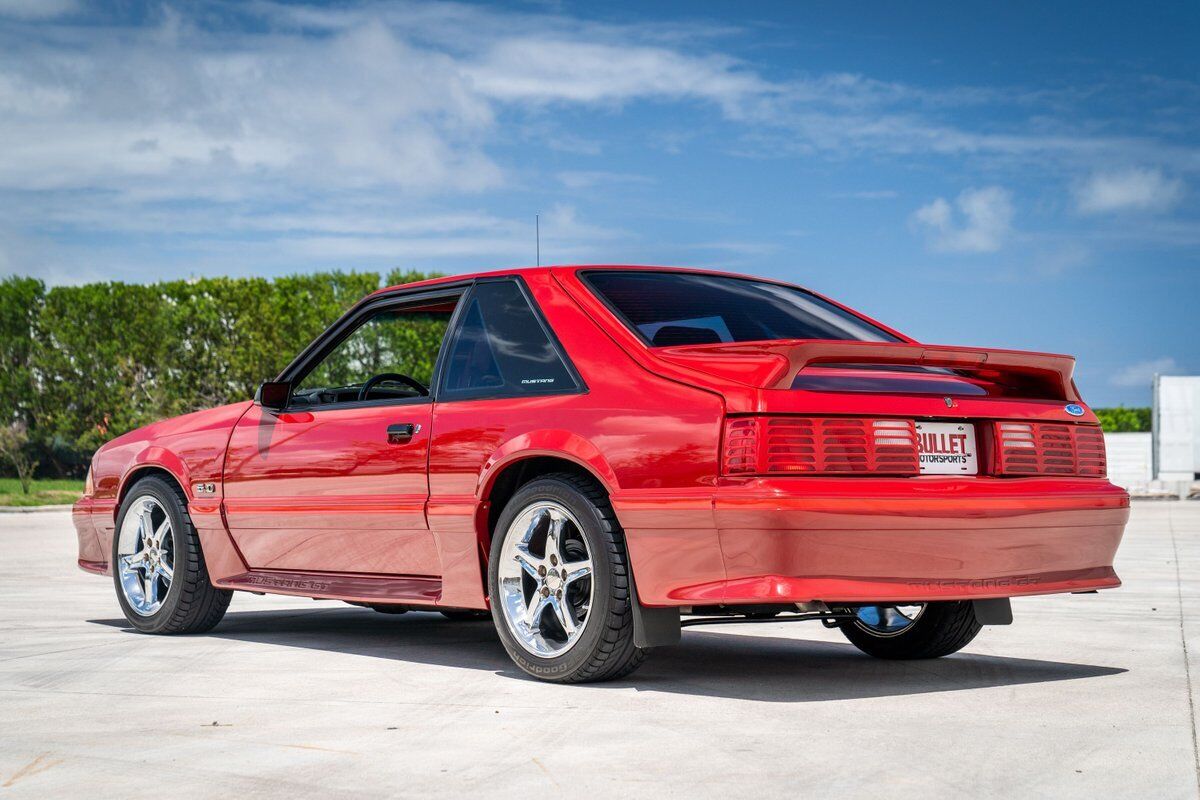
[(404, 341), (679, 308), (502, 349)]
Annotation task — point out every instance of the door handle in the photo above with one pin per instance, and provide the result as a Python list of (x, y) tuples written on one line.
[(402, 432)]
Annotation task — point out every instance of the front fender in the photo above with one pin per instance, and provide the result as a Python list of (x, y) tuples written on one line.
[(155, 457), (220, 554)]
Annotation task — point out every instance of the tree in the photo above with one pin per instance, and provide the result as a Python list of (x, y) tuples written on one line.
[(20, 309), (14, 448), (1124, 420), (80, 365)]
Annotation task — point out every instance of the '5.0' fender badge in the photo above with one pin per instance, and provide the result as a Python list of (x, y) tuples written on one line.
[(204, 488)]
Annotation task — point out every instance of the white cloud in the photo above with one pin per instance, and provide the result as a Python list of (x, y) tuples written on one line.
[(935, 215), (407, 95), (587, 179), (1143, 372), (390, 94), (981, 224), (172, 107), (569, 70), (37, 9), (364, 120), (363, 233), (1128, 190)]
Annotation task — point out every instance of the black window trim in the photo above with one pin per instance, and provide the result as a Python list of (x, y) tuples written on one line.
[(354, 318), (444, 396), (585, 275)]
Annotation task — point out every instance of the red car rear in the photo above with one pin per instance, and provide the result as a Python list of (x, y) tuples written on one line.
[(603, 455)]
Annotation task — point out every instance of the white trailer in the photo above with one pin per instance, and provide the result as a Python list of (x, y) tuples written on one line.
[(1177, 428)]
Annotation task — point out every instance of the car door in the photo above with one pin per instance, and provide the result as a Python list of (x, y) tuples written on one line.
[(337, 480)]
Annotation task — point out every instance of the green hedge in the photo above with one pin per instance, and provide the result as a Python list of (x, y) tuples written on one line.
[(1124, 420), (82, 364)]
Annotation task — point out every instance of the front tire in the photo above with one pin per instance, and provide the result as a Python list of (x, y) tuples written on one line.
[(158, 569), (558, 580), (896, 632)]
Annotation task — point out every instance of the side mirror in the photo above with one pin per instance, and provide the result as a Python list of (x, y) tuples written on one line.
[(275, 395)]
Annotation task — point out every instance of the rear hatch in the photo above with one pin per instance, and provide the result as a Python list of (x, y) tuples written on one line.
[(893, 408), (883, 367), (812, 387)]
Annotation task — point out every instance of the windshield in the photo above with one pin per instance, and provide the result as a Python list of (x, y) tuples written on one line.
[(680, 308)]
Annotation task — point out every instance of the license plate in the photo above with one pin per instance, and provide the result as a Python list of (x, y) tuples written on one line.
[(947, 448)]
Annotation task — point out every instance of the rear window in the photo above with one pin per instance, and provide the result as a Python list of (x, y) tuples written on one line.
[(679, 308)]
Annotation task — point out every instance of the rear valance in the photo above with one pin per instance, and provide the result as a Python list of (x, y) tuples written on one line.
[(775, 364)]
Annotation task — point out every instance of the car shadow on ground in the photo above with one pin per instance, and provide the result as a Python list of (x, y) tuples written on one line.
[(705, 663)]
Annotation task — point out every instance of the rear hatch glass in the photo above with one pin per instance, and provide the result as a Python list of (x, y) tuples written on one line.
[(670, 309), (704, 321)]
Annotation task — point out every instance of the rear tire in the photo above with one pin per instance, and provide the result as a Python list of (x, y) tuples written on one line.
[(941, 629), (191, 604), (601, 613)]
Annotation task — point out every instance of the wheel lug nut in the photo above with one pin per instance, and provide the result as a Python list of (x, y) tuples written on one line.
[(559, 594), (542, 570), (545, 591), (553, 560)]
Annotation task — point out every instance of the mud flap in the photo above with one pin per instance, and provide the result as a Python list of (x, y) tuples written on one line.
[(653, 627), (993, 612)]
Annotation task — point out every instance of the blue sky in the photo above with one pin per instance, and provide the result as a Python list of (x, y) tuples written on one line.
[(1009, 174)]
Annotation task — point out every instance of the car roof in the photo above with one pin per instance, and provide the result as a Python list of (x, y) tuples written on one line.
[(549, 269), (562, 267)]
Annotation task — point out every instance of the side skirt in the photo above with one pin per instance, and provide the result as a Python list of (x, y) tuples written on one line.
[(408, 589)]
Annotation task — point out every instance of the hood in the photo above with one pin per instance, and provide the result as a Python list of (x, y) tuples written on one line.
[(221, 417)]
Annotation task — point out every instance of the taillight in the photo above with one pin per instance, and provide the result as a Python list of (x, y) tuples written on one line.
[(1044, 448), (820, 445)]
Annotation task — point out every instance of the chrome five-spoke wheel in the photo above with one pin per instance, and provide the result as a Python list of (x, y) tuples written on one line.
[(146, 555), (888, 620), (157, 566), (545, 579)]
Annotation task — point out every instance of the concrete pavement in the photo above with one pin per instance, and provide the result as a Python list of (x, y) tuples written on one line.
[(1084, 696)]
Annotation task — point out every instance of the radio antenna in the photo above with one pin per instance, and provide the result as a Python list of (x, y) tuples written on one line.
[(537, 236)]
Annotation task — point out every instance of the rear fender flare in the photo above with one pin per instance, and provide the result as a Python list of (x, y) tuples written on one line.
[(553, 443)]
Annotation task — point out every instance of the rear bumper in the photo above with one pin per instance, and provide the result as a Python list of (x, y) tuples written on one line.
[(856, 539)]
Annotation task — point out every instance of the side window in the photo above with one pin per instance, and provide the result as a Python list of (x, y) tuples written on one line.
[(393, 341), (501, 349)]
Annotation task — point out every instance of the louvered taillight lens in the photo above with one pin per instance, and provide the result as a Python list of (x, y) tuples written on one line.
[(820, 445), (1045, 448)]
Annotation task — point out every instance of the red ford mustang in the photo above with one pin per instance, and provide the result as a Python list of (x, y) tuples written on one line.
[(603, 455)]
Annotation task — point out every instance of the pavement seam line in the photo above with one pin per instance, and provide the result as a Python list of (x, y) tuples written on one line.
[(1187, 667)]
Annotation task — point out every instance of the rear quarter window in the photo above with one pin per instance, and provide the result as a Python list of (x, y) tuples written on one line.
[(502, 349)]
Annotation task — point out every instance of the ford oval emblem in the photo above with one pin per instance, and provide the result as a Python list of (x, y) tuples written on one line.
[(1074, 410)]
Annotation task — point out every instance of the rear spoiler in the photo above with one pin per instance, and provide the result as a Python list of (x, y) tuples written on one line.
[(775, 364)]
